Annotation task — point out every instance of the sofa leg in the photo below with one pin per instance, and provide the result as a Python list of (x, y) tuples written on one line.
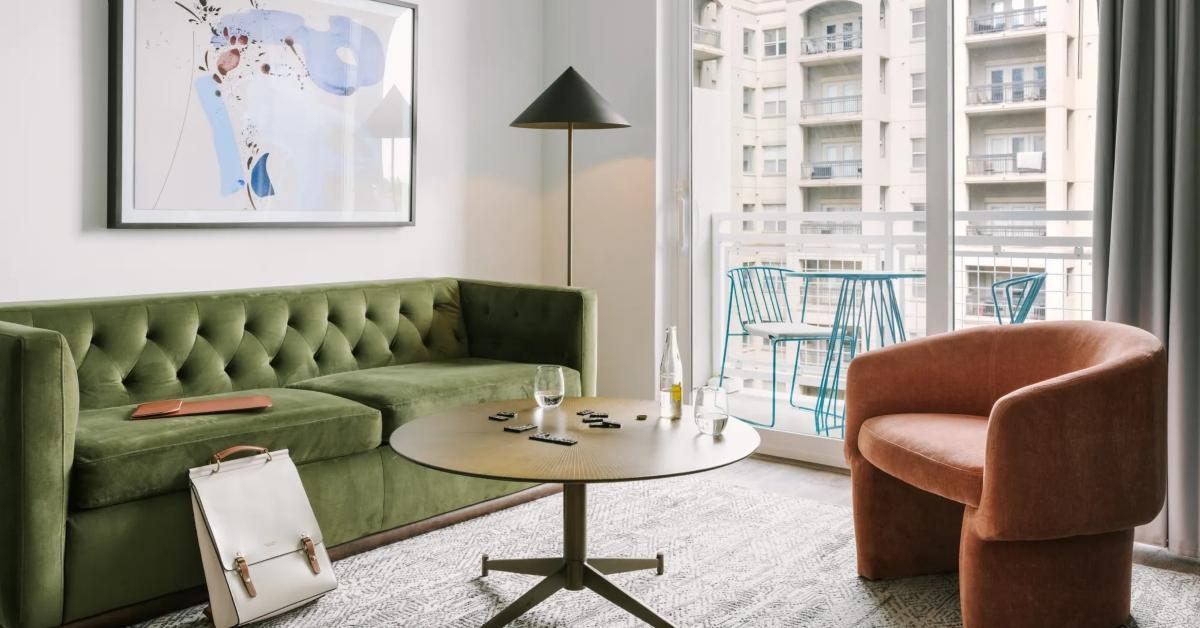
[(900, 530), (1079, 581)]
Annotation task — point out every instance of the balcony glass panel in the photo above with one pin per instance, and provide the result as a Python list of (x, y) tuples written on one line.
[(831, 169), (834, 42), (1007, 163), (836, 106), (1002, 93), (999, 22), (706, 36)]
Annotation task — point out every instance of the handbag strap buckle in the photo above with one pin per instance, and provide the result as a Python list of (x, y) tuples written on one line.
[(311, 550), (244, 571)]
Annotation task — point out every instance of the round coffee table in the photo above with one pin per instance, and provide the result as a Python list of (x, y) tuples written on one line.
[(464, 441)]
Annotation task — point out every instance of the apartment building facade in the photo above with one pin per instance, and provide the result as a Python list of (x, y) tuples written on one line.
[(809, 121)]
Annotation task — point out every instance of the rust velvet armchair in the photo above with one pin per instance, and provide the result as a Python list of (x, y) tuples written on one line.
[(1022, 456)]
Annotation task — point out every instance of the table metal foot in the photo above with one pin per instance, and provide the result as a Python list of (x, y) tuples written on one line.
[(544, 589), (527, 566), (596, 581), (622, 565)]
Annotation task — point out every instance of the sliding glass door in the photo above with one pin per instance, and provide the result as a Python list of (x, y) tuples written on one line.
[(879, 191)]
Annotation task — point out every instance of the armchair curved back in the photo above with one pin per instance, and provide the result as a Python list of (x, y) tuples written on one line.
[(1077, 446)]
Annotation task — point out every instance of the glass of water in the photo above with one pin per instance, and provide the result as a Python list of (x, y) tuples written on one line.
[(549, 386), (712, 409)]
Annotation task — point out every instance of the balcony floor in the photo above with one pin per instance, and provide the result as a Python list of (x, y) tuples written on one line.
[(755, 405)]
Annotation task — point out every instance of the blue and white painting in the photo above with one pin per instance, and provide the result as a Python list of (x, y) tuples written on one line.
[(267, 111)]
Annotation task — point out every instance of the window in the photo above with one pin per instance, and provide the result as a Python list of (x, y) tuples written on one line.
[(774, 226), (747, 42), (849, 201), (748, 101), (775, 159), (748, 159), (774, 42), (774, 101), (918, 23), (748, 225), (918, 89), (918, 153)]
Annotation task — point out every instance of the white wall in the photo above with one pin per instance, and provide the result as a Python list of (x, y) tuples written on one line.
[(490, 198), (612, 44), (479, 191)]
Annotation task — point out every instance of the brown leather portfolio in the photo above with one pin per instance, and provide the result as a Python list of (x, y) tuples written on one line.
[(178, 407)]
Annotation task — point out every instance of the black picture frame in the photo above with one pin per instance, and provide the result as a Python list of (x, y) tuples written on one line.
[(117, 115)]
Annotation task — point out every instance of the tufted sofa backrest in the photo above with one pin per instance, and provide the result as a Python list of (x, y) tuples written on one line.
[(139, 349)]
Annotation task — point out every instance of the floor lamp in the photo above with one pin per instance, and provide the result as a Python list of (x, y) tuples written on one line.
[(570, 103), (392, 120)]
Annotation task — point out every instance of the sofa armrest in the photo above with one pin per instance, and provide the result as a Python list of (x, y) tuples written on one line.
[(534, 324), (1082, 453), (39, 410), (940, 373)]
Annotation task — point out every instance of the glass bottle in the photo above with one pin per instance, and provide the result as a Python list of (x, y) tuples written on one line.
[(670, 379)]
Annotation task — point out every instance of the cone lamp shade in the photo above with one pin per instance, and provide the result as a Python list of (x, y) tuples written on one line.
[(570, 103), (392, 119)]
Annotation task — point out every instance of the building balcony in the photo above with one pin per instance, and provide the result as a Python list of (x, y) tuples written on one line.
[(830, 48), (998, 97), (1024, 166), (1007, 24), (830, 172), (706, 43), (831, 110)]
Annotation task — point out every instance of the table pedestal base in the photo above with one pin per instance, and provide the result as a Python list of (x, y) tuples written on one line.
[(575, 571)]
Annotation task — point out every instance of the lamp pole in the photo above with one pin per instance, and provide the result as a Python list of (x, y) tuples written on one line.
[(570, 193)]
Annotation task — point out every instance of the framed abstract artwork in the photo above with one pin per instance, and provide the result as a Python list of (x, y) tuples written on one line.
[(262, 113)]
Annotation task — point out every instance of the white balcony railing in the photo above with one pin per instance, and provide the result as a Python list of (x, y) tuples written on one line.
[(1017, 19), (822, 44), (1007, 163), (835, 106), (816, 170), (706, 36), (1000, 93)]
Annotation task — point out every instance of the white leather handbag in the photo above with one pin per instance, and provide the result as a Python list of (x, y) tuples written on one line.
[(262, 550)]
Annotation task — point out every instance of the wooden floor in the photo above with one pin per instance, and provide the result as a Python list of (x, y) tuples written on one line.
[(832, 486)]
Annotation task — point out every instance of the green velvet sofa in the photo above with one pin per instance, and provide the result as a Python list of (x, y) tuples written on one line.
[(94, 513)]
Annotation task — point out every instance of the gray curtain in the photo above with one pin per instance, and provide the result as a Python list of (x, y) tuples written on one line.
[(1147, 236)]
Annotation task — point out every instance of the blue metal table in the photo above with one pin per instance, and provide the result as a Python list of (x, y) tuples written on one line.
[(867, 316)]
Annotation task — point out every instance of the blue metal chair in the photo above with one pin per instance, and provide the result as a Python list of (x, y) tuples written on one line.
[(1026, 288), (759, 294)]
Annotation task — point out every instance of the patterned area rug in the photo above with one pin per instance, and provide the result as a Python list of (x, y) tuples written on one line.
[(734, 557)]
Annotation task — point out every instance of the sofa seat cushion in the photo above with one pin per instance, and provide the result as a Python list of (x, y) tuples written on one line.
[(119, 460), (939, 453), (409, 391)]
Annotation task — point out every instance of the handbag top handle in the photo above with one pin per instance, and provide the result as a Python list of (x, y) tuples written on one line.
[(237, 449)]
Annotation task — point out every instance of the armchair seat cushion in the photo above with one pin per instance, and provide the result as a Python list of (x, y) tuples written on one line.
[(407, 391), (118, 460), (939, 453)]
